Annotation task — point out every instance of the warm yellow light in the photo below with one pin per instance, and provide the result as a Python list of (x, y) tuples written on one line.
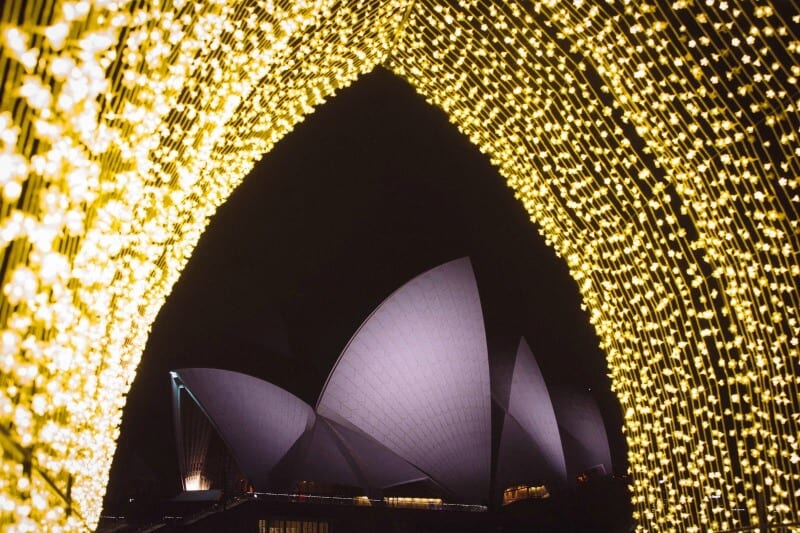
[(655, 145), (410, 502), (196, 482)]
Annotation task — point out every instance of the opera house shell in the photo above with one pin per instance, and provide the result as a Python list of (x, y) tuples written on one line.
[(409, 400)]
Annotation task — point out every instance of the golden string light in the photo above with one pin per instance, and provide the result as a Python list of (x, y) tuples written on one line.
[(656, 146), (654, 143)]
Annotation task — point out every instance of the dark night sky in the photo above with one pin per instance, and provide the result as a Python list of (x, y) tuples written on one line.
[(371, 190)]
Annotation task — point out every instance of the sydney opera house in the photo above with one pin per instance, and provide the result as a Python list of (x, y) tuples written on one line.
[(409, 408)]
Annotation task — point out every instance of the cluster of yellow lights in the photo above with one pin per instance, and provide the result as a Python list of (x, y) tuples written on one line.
[(524, 492), (654, 143), (410, 502)]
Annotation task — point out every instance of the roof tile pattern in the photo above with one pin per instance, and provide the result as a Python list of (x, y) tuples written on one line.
[(415, 377), (531, 407), (272, 418)]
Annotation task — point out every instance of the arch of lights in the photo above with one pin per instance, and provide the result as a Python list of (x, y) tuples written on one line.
[(654, 143)]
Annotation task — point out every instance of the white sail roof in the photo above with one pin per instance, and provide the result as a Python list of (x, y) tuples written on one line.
[(415, 377), (583, 431), (257, 420), (530, 410), (331, 453), (409, 399)]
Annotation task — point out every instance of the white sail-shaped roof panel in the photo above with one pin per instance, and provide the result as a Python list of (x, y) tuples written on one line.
[(415, 377), (257, 420), (331, 453), (519, 459), (583, 430), (379, 466), (530, 405), (318, 456)]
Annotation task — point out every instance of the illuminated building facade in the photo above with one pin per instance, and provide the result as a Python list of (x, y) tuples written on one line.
[(655, 145), (408, 401)]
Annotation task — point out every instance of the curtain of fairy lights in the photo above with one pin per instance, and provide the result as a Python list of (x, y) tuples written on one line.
[(124, 125), (654, 143)]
